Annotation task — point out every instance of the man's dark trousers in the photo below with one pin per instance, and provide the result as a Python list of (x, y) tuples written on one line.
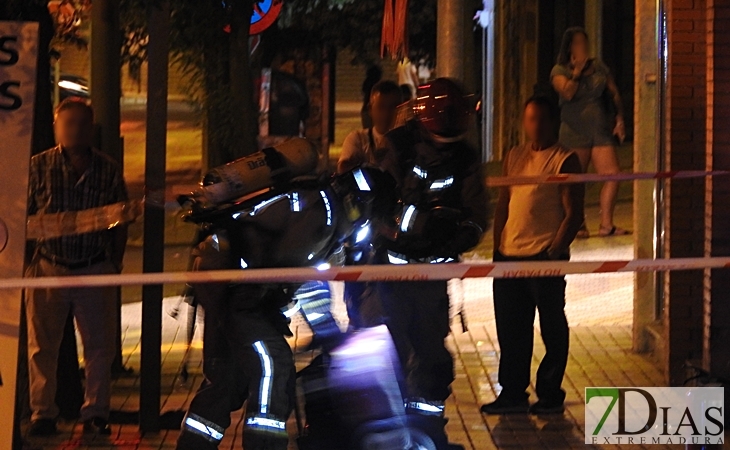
[(515, 300)]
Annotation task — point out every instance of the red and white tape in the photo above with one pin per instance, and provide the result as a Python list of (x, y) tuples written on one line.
[(594, 177), (46, 226), (406, 272)]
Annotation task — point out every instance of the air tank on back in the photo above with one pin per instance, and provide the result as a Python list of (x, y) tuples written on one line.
[(293, 158)]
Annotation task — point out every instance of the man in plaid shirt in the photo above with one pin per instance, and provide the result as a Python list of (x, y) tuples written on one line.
[(73, 177)]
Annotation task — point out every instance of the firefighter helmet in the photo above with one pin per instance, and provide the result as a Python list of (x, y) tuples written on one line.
[(443, 109)]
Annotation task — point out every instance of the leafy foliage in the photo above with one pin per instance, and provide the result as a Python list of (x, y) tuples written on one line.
[(69, 18), (202, 48), (200, 44), (133, 24), (356, 25)]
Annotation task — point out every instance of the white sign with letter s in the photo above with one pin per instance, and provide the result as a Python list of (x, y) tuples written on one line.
[(18, 58)]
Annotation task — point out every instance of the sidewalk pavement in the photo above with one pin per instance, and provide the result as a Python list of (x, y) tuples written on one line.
[(600, 356), (598, 307)]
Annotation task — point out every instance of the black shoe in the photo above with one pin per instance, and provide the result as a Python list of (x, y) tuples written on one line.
[(504, 405), (42, 427), (547, 407), (97, 425)]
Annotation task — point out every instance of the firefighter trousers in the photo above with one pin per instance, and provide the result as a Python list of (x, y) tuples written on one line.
[(417, 315), (260, 373)]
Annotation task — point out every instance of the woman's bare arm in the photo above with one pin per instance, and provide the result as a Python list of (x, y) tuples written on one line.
[(568, 86), (620, 127), (565, 87), (615, 95)]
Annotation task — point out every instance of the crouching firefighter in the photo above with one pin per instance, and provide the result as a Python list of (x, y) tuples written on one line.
[(246, 358), (266, 210), (443, 212)]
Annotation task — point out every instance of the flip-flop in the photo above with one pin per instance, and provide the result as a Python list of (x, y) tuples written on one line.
[(583, 232), (613, 231)]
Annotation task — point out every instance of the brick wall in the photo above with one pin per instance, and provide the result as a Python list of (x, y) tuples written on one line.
[(697, 313), (686, 144), (75, 61)]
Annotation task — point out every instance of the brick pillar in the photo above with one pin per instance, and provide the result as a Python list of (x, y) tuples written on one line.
[(716, 350), (686, 142)]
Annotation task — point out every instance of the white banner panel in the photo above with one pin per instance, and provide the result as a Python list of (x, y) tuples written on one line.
[(18, 57), (655, 416)]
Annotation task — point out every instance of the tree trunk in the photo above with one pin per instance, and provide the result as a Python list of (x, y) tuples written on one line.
[(243, 110), (216, 120)]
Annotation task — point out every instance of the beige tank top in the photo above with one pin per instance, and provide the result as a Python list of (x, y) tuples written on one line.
[(535, 210)]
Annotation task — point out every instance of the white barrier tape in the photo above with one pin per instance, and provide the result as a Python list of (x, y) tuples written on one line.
[(594, 177), (66, 223), (96, 219), (405, 272)]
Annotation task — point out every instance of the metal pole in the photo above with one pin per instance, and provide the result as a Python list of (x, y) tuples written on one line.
[(661, 149), (327, 101), (56, 79), (105, 90), (489, 92), (594, 27), (486, 20), (154, 218), (106, 74), (450, 39)]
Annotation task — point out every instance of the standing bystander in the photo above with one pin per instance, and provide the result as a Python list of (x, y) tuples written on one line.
[(534, 223), (73, 177), (591, 118), (369, 146), (373, 75), (408, 75)]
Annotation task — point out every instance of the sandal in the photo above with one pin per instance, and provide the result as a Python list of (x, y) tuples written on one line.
[(583, 232), (613, 231)]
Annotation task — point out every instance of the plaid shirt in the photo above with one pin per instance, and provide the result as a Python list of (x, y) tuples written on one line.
[(54, 187)]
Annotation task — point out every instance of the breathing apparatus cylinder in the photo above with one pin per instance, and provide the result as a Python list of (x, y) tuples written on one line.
[(261, 170)]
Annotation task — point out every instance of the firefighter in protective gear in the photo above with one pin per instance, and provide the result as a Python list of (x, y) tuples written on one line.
[(297, 222), (246, 358), (443, 212)]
